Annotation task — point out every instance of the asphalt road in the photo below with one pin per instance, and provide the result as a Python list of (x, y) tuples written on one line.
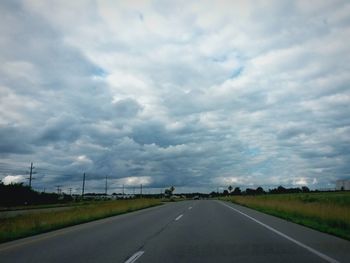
[(190, 231)]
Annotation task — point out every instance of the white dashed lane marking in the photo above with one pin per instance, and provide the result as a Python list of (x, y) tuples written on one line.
[(176, 219), (134, 257)]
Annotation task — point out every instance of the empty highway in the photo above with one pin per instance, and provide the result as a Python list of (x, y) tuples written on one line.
[(189, 231)]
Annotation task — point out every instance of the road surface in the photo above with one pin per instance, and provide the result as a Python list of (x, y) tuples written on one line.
[(189, 231)]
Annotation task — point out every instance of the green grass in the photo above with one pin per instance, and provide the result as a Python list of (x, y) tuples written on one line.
[(31, 224), (29, 207), (327, 212)]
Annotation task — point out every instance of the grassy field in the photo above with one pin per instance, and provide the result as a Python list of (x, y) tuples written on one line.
[(29, 207), (30, 224), (328, 211)]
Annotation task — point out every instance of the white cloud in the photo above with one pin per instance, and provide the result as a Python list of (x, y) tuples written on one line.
[(83, 159), (10, 179), (241, 92), (135, 181)]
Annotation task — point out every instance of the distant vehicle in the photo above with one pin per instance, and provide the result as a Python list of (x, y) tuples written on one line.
[(196, 197)]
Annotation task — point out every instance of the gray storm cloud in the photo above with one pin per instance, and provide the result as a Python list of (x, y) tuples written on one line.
[(186, 94)]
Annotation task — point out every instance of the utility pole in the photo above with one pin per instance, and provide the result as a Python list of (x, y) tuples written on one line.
[(123, 190), (82, 191), (106, 186), (141, 191), (58, 189), (70, 191), (31, 175)]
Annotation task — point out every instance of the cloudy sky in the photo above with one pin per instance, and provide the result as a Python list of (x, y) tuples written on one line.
[(195, 94)]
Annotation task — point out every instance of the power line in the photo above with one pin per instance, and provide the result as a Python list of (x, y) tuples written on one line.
[(12, 172), (7, 169), (4, 165)]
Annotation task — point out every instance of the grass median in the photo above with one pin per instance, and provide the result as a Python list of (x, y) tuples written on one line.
[(31, 224), (327, 212)]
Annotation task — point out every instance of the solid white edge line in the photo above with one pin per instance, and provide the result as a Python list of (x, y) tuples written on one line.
[(134, 257), (321, 255), (178, 217)]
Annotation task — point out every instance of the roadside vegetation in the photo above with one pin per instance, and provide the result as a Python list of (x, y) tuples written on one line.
[(31, 224), (20, 195), (324, 211)]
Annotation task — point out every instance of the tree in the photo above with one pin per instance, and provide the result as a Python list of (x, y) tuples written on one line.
[(169, 192), (281, 190), (305, 189), (237, 191), (214, 194), (250, 191), (259, 190), (230, 188), (225, 192), (19, 194)]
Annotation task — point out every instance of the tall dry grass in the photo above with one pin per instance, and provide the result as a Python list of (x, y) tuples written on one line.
[(29, 224), (327, 212)]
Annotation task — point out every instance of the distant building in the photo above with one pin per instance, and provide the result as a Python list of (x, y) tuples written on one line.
[(342, 185)]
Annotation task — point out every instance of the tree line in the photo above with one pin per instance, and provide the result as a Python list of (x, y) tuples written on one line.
[(17, 194), (259, 191)]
